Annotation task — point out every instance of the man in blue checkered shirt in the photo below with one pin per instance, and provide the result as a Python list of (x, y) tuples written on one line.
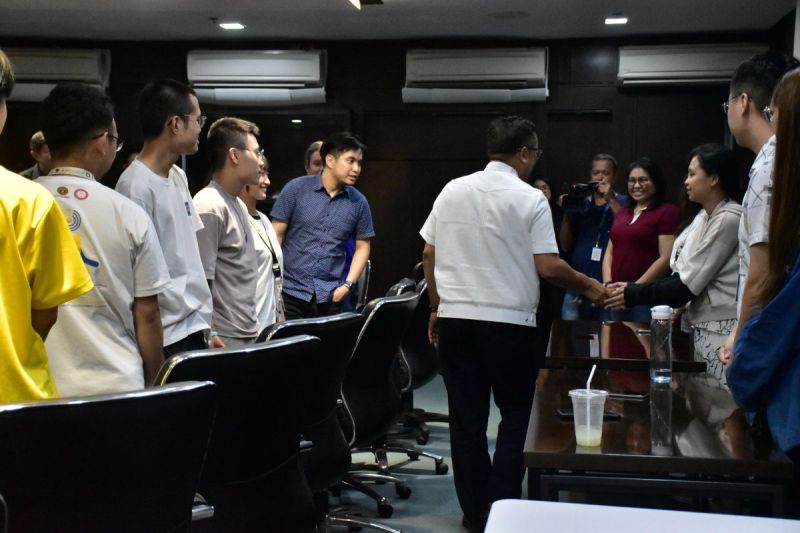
[(313, 218)]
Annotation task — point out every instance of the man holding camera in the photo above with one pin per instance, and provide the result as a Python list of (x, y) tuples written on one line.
[(589, 211)]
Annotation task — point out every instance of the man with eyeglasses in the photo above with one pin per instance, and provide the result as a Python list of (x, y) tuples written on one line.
[(748, 112), (226, 242), (42, 269), (109, 339), (169, 115), (488, 239)]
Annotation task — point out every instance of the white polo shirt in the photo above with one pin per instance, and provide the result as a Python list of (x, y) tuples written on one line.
[(92, 346), (186, 306), (486, 228)]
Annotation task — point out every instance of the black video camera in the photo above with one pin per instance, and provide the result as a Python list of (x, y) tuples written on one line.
[(573, 201)]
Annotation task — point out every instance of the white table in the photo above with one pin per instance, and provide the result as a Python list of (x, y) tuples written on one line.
[(522, 516)]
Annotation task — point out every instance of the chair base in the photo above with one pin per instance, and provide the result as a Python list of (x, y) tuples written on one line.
[(350, 522), (356, 480), (417, 419), (380, 451)]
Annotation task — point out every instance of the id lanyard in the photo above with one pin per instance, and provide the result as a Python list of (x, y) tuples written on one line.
[(597, 251)]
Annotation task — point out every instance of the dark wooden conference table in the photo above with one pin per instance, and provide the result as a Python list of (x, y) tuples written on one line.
[(687, 438), (615, 345)]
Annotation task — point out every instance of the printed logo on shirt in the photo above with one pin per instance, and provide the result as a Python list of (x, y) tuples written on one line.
[(73, 219), (188, 210), (63, 192), (81, 194)]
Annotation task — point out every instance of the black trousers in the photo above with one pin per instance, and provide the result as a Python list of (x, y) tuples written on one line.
[(479, 358), (297, 308), (195, 341)]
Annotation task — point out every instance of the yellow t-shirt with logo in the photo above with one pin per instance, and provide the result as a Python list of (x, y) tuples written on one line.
[(40, 268)]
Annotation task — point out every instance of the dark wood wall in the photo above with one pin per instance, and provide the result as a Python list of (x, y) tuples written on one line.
[(413, 150)]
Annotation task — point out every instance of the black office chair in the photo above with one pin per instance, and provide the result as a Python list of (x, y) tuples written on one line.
[(327, 461), (252, 475), (114, 462), (417, 365), (370, 394), (422, 362), (362, 286)]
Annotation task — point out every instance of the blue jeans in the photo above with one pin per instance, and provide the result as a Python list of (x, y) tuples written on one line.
[(637, 313)]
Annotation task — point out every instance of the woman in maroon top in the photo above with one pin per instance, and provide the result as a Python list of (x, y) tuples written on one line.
[(642, 234)]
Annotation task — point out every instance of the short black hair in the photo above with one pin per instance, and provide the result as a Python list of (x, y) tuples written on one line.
[(716, 159), (72, 114), (227, 133), (339, 143), (507, 135), (606, 157), (656, 176), (158, 101), (759, 75)]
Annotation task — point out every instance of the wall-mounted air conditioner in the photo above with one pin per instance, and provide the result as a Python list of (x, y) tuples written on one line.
[(493, 75), (258, 77), (696, 64), (38, 70)]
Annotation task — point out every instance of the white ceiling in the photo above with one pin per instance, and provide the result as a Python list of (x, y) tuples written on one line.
[(396, 19)]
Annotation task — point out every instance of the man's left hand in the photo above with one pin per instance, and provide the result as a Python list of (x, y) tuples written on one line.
[(340, 293)]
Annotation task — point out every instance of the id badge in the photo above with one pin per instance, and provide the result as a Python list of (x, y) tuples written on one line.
[(597, 252)]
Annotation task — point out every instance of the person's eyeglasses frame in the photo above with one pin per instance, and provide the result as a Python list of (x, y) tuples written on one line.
[(120, 142), (727, 103), (201, 119)]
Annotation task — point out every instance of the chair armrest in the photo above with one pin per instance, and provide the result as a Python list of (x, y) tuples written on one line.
[(200, 508)]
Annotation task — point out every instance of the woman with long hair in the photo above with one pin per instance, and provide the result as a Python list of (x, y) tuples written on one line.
[(642, 235), (704, 259), (765, 373)]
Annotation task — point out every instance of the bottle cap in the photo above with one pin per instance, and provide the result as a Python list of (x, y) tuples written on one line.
[(661, 312)]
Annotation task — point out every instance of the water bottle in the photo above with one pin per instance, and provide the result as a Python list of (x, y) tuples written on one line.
[(661, 344)]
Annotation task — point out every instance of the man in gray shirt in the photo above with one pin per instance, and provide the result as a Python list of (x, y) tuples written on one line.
[(226, 242)]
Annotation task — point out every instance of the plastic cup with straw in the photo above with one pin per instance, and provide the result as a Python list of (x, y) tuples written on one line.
[(587, 406)]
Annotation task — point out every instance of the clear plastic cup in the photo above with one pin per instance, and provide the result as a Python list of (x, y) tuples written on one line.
[(587, 406)]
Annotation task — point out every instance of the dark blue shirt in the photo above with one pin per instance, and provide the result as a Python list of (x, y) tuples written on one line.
[(590, 228), (318, 228)]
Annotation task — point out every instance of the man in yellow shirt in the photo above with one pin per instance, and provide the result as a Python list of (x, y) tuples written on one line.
[(41, 268)]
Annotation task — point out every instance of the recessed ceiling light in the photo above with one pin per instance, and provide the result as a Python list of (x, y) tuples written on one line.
[(616, 18), (297, 121), (231, 25), (356, 3)]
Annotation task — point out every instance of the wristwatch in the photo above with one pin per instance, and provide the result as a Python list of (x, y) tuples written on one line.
[(349, 284)]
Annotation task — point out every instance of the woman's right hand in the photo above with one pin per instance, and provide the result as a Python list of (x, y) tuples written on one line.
[(616, 301)]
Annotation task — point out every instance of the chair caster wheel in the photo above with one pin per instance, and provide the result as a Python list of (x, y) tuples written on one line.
[(385, 510), (413, 456), (402, 491), (422, 438), (442, 468)]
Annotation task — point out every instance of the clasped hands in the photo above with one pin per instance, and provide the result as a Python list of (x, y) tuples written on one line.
[(611, 296)]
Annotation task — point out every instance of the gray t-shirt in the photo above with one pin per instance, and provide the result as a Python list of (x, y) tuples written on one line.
[(228, 253)]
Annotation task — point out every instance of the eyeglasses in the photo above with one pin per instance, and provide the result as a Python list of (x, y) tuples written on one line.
[(769, 114), (641, 180), (120, 142), (201, 120), (259, 152), (536, 151), (727, 103)]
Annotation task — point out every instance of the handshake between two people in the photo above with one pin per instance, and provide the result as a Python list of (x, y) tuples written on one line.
[(611, 296)]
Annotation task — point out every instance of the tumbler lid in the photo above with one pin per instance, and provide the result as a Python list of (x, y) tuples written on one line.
[(661, 312)]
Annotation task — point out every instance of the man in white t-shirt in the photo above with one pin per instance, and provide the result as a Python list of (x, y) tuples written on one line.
[(171, 122), (227, 242), (487, 240), (748, 114), (109, 339)]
